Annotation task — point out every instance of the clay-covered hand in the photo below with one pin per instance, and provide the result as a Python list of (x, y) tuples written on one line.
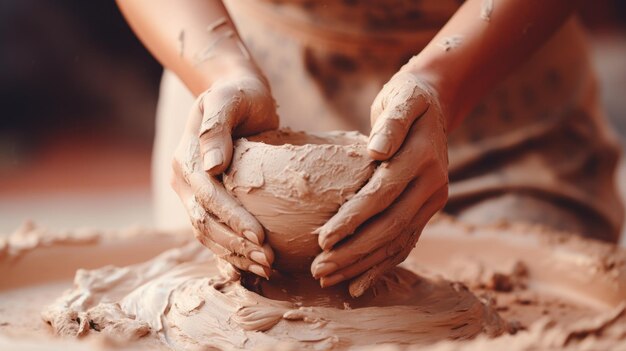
[(377, 228), (232, 107)]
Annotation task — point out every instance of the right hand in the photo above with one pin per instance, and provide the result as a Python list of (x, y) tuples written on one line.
[(232, 107)]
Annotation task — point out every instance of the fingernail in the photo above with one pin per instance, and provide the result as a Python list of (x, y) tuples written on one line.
[(324, 268), (379, 143), (357, 289), (212, 158), (259, 257), (250, 235), (332, 280), (269, 254), (258, 270), (328, 241)]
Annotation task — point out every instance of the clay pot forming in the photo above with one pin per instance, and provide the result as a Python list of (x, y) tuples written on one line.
[(293, 182)]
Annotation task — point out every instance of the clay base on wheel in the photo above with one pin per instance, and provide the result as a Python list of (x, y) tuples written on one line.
[(462, 288)]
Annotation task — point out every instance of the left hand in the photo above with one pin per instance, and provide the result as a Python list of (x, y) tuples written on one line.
[(377, 228), (237, 104)]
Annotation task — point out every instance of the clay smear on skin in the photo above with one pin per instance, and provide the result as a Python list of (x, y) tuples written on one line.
[(451, 42), (486, 10), (181, 42), (207, 53)]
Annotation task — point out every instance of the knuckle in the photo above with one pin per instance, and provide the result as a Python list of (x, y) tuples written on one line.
[(230, 258), (202, 238), (351, 219), (238, 244), (219, 112), (220, 90), (393, 188), (428, 161), (240, 218), (207, 191), (396, 120), (394, 248), (400, 223), (197, 215), (236, 260), (211, 126)]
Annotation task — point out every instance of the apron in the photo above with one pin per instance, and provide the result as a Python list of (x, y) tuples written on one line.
[(537, 149)]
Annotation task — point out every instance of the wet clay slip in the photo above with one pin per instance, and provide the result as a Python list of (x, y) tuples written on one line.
[(555, 291)]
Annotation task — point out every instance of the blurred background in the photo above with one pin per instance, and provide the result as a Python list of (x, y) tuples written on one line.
[(78, 95)]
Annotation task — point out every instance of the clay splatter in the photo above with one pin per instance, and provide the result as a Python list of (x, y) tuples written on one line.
[(181, 42), (451, 42), (207, 53), (486, 10)]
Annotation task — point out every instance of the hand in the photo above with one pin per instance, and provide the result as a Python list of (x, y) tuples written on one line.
[(377, 228), (232, 107)]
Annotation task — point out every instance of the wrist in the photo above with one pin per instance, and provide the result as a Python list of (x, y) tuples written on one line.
[(227, 66), (442, 93)]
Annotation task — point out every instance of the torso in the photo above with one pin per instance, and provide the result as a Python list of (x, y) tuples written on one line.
[(538, 131)]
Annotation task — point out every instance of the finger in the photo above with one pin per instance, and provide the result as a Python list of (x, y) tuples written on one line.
[(366, 280), (226, 238), (209, 191), (186, 163), (240, 262), (212, 195), (379, 255), (377, 107), (209, 228), (381, 230), (403, 235), (258, 113), (405, 102), (359, 285), (385, 185), (220, 109), (269, 254), (187, 155)]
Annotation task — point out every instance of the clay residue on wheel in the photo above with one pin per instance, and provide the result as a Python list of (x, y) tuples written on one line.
[(185, 299)]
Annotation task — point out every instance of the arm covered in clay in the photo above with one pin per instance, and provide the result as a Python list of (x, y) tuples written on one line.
[(197, 40), (411, 118), (483, 42)]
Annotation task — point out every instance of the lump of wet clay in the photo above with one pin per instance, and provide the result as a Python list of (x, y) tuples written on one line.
[(293, 182)]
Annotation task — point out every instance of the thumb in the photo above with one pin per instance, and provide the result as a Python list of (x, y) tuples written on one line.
[(220, 115), (392, 123)]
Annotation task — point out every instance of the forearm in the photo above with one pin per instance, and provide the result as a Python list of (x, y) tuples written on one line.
[(481, 44), (196, 39)]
